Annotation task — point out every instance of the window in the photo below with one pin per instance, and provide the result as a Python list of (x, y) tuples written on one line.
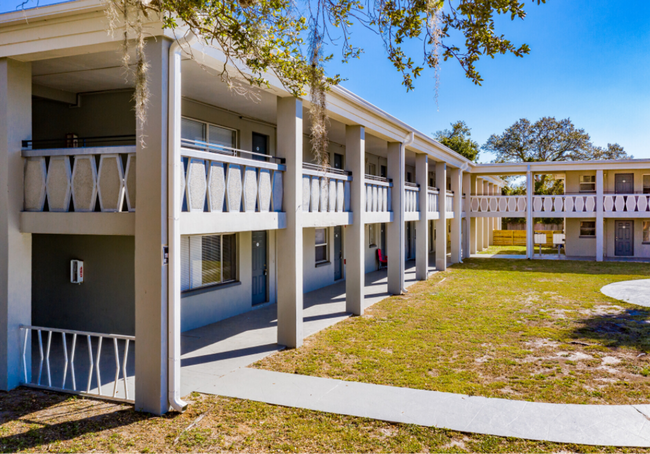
[(372, 169), (208, 260), (646, 231), (372, 235), (587, 228), (204, 132), (321, 246), (587, 183), (646, 184)]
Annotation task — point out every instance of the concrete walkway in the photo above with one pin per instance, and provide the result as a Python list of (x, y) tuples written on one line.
[(633, 292), (613, 425)]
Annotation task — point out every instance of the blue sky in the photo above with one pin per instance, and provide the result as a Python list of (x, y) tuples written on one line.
[(589, 60)]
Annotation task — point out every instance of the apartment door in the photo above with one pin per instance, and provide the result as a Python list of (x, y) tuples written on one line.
[(409, 233), (338, 253), (624, 183), (260, 146), (260, 268), (624, 244), (338, 161)]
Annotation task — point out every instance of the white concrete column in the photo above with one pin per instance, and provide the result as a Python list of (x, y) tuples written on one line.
[(15, 247), (456, 222), (395, 230), (600, 236), (421, 226), (355, 239), (441, 223), (289, 240), (486, 221), (492, 220), (480, 221), (530, 185), (151, 349), (467, 191), (474, 221)]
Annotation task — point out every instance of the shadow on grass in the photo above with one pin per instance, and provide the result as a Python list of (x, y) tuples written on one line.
[(557, 267), (58, 420), (627, 329)]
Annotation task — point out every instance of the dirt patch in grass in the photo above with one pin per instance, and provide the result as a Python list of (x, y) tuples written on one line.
[(37, 421), (539, 331)]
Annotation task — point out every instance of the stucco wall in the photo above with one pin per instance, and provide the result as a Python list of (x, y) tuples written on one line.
[(640, 249), (102, 114), (203, 307), (576, 246), (572, 182), (104, 302), (315, 277)]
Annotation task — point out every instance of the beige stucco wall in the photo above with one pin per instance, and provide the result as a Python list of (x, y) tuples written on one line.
[(576, 246), (586, 247), (640, 249), (572, 182)]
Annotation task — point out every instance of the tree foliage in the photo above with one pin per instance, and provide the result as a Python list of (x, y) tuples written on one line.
[(548, 140), (459, 139)]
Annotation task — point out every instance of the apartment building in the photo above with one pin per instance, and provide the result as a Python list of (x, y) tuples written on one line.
[(111, 233)]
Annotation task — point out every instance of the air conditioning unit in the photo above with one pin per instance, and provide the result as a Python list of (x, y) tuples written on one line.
[(76, 271)]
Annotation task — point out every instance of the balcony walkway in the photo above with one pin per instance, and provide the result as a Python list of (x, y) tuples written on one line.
[(214, 350)]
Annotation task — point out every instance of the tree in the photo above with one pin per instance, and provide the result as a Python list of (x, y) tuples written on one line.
[(458, 138), (548, 140)]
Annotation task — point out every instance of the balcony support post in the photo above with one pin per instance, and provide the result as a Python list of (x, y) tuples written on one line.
[(441, 223), (480, 222), (467, 222), (457, 220), (599, 216), (290, 239), (492, 220), (397, 172), (530, 187), (15, 247), (421, 226), (475, 221), (486, 221), (355, 239)]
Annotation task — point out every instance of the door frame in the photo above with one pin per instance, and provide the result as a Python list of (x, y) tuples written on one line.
[(268, 271), (616, 221)]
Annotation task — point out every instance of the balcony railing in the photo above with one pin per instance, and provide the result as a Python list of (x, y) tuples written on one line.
[(378, 194), (564, 204), (222, 179), (449, 202), (61, 171), (498, 204), (325, 189), (628, 203), (412, 192), (432, 202)]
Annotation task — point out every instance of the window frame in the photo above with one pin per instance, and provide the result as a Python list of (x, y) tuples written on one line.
[(645, 189), (234, 265), (372, 236), (322, 245), (581, 183), (645, 232), (207, 125), (581, 235)]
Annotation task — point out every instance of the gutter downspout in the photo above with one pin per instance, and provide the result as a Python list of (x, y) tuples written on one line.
[(173, 226), (409, 138)]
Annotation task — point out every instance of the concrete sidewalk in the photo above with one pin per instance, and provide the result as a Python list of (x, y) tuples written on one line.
[(608, 425)]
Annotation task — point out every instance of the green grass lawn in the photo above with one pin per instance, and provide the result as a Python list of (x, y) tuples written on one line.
[(537, 331), (519, 250)]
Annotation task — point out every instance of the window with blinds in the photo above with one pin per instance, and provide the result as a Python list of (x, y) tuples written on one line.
[(321, 245), (208, 260), (205, 132)]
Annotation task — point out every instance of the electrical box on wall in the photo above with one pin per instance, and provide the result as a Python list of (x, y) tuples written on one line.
[(76, 271)]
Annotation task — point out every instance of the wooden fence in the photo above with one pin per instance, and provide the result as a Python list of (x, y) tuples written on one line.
[(518, 237)]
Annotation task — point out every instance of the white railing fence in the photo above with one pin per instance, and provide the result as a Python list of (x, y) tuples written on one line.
[(378, 194), (629, 203), (220, 179), (497, 204), (61, 369), (449, 202), (432, 202), (325, 190), (564, 204), (411, 198)]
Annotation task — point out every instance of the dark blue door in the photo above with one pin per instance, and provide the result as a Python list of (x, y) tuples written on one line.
[(260, 268), (338, 253), (624, 244)]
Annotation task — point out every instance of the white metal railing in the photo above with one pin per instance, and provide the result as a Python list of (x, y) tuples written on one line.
[(449, 202), (564, 204), (379, 192), (325, 189), (94, 362), (629, 203), (411, 197), (432, 199), (62, 175), (221, 179), (497, 204)]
